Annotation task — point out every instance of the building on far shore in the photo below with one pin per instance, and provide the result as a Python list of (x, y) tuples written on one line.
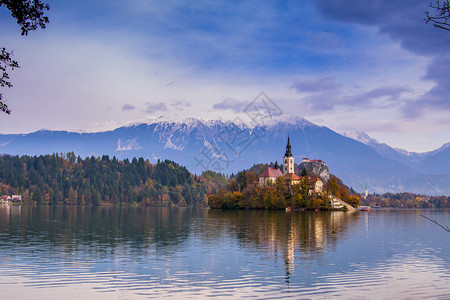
[(5, 199), (16, 198)]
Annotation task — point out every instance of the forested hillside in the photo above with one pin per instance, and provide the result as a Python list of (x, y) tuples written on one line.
[(67, 179), (70, 180)]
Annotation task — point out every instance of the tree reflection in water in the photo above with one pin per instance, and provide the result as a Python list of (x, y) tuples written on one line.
[(179, 252), (303, 236), (100, 232), (97, 227)]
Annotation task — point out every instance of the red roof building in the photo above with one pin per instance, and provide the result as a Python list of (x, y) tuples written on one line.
[(271, 172), (269, 175), (292, 176)]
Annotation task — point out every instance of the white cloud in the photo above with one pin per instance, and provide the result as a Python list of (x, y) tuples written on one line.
[(79, 74)]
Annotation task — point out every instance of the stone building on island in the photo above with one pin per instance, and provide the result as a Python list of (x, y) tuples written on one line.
[(271, 174), (317, 185), (316, 168)]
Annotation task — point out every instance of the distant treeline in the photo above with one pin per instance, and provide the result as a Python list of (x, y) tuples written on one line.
[(407, 200), (67, 179), (70, 180)]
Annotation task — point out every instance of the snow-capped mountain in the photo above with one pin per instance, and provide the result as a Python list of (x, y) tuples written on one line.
[(361, 137), (431, 162), (382, 148), (229, 147)]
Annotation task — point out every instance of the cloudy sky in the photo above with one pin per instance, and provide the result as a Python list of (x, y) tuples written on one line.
[(372, 66)]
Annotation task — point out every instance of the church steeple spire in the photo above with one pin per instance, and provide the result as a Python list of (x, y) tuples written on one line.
[(288, 159), (288, 149)]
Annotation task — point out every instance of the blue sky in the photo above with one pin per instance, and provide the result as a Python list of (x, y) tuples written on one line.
[(373, 66)]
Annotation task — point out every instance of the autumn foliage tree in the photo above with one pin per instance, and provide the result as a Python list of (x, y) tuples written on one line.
[(353, 200), (244, 192)]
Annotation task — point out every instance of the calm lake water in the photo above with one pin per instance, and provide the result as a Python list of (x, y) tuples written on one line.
[(134, 253)]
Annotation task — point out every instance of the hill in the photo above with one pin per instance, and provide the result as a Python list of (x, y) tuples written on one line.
[(68, 180)]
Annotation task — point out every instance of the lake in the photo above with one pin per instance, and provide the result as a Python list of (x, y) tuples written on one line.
[(141, 253)]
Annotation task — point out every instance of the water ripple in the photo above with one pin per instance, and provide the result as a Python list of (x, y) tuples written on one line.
[(244, 255)]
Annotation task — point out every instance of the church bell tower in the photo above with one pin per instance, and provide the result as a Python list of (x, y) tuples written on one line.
[(288, 160)]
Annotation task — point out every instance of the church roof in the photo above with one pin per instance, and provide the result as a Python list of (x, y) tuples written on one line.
[(271, 172), (314, 179), (292, 176)]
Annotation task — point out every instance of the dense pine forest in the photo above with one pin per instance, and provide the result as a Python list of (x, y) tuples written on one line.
[(67, 179)]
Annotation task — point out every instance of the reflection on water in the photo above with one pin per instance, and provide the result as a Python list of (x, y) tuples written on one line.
[(126, 252), (283, 235)]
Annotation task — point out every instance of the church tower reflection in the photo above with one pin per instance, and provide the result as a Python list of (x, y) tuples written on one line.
[(296, 238)]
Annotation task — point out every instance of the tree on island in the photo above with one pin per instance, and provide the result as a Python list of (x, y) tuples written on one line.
[(244, 192), (30, 16), (353, 200), (440, 16)]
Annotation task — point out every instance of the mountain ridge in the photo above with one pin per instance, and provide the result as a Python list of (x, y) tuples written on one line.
[(205, 144), (416, 160)]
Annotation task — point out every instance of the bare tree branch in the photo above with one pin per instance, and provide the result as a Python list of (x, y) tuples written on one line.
[(440, 16), (445, 228)]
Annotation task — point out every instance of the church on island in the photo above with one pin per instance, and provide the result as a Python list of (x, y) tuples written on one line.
[(270, 174)]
